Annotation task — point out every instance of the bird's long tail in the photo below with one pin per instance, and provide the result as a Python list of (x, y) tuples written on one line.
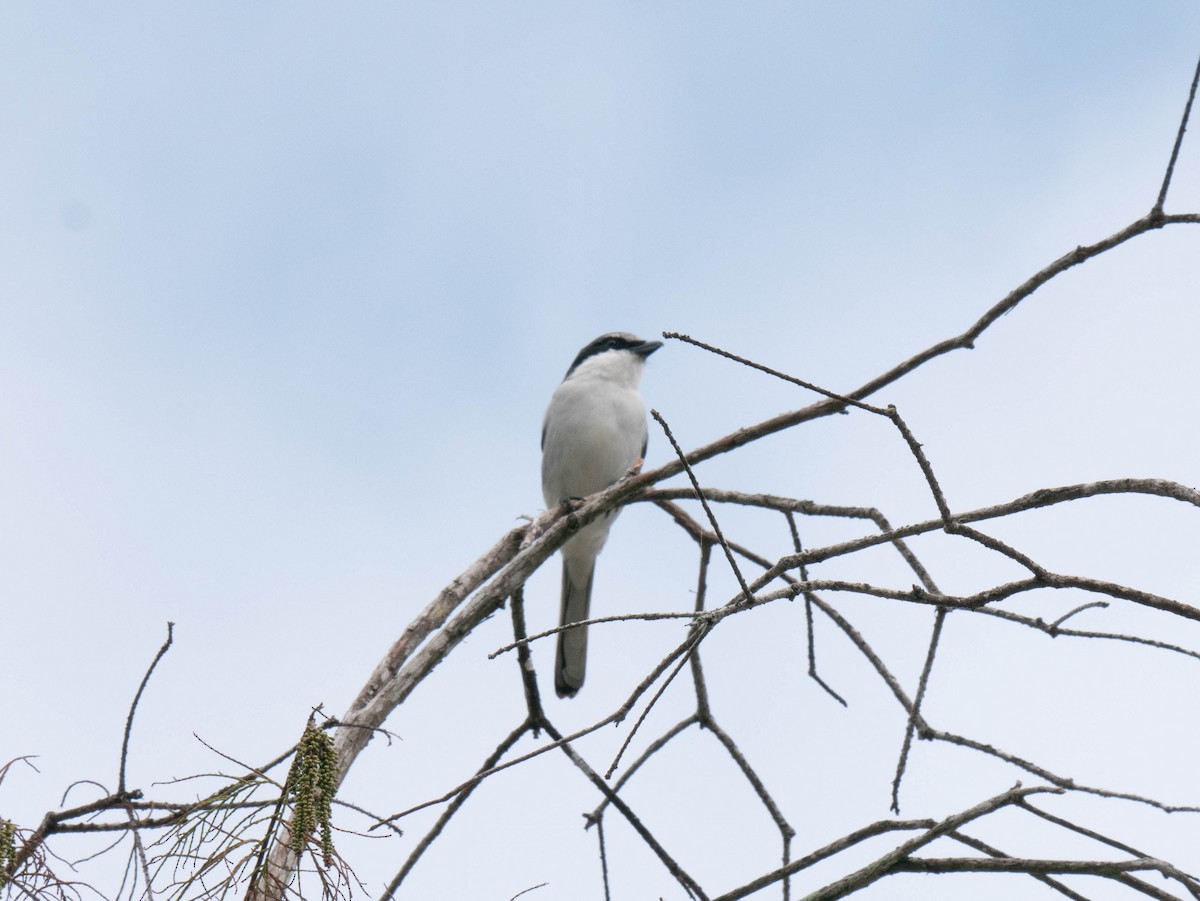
[(571, 661)]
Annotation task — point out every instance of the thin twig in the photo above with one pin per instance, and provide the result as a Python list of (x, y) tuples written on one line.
[(844, 843), (996, 852), (890, 861), (810, 629), (1183, 122), (695, 637), (133, 707), (914, 713), (451, 809), (712, 519)]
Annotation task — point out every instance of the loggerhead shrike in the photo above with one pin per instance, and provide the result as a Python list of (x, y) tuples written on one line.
[(594, 431)]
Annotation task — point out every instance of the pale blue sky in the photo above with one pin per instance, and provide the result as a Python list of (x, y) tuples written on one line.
[(285, 287)]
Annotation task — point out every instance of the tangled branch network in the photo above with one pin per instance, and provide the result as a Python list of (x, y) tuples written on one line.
[(500, 574), (264, 837)]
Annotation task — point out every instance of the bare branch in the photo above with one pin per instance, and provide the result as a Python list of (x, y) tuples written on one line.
[(133, 707), (889, 862), (1183, 123)]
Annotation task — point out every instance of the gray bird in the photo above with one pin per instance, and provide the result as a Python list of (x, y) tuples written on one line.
[(594, 431)]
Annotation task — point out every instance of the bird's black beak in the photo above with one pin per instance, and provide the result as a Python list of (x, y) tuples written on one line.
[(646, 348)]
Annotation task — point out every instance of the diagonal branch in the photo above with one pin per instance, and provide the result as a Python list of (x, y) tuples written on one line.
[(1183, 123)]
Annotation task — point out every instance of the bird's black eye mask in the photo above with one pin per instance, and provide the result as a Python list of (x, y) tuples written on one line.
[(604, 343)]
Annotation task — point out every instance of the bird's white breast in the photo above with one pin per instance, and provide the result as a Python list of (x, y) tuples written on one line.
[(595, 428)]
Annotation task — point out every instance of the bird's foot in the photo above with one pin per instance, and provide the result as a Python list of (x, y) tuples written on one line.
[(569, 506)]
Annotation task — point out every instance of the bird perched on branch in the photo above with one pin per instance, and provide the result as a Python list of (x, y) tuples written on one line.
[(593, 433)]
